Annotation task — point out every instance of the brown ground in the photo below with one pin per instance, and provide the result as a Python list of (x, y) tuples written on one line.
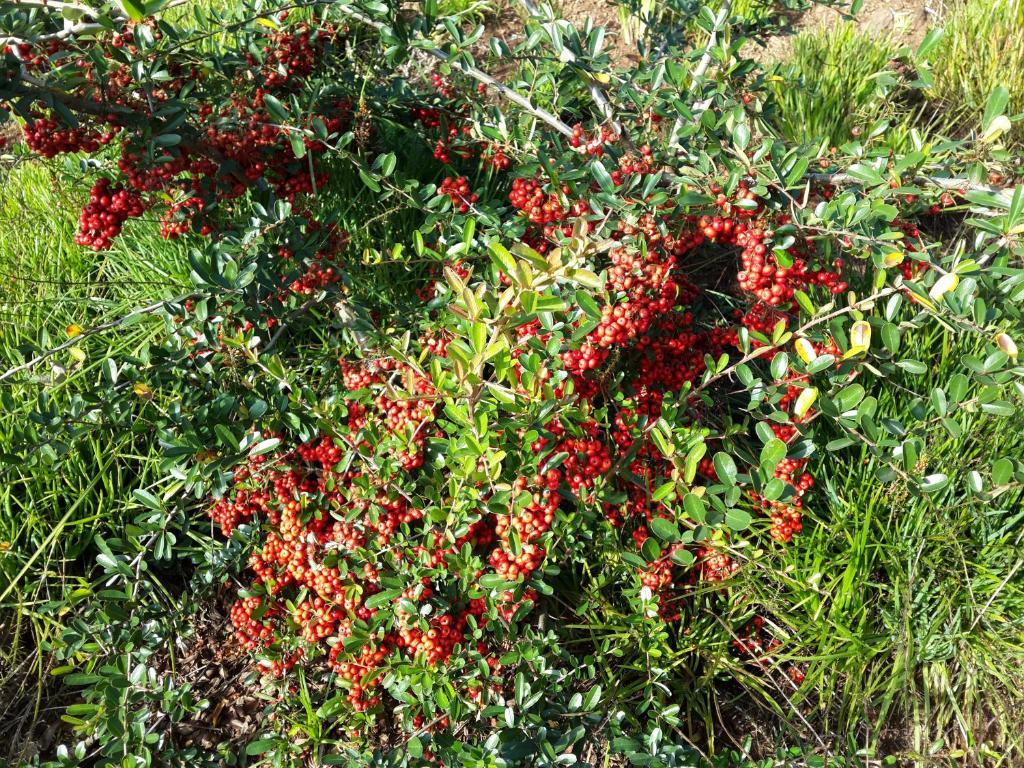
[(906, 21)]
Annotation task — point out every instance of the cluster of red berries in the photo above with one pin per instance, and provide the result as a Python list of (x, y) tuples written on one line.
[(290, 55), (321, 538), (528, 196), (594, 144), (458, 189), (108, 209), (178, 219), (46, 137), (238, 146)]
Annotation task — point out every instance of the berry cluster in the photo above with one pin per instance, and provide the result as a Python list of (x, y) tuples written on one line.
[(46, 137), (108, 209), (458, 190)]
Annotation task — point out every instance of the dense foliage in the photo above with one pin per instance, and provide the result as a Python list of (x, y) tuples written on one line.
[(566, 373)]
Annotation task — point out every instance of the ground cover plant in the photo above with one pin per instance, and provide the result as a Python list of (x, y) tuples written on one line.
[(411, 415)]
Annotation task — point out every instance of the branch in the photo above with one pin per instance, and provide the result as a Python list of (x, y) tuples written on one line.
[(948, 184), (141, 311), (74, 30), (83, 105), (703, 65), (541, 114), (596, 91), (53, 5)]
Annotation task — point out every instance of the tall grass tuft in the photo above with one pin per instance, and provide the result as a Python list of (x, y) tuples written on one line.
[(829, 87), (982, 48)]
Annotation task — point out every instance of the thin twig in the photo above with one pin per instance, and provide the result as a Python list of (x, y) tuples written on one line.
[(541, 114), (102, 327), (596, 91), (702, 67)]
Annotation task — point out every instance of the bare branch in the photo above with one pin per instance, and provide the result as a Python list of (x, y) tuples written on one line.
[(516, 98), (596, 91), (702, 67), (101, 328), (922, 180), (54, 5)]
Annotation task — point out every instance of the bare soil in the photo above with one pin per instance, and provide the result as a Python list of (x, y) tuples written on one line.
[(905, 22)]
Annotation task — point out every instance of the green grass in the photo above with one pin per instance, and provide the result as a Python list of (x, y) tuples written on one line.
[(56, 494), (982, 48), (908, 612), (829, 87)]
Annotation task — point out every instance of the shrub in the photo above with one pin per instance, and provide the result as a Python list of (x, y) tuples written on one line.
[(480, 399)]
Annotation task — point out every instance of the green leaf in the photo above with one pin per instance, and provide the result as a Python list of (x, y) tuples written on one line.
[(773, 452), (820, 363), (914, 367), (265, 446), (934, 483), (604, 179), (148, 499), (260, 746), (588, 305), (805, 302), (502, 259), (382, 598), (725, 467), (369, 181), (865, 173), (491, 581), (415, 747), (929, 42), (275, 108), (225, 436), (110, 371), (737, 519), (664, 529), (1002, 471), (995, 106), (664, 491), (779, 366), (694, 507), (849, 397), (741, 135), (133, 9)]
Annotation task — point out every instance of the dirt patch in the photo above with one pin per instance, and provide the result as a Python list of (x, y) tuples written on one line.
[(508, 25), (10, 134), (216, 666), (904, 22)]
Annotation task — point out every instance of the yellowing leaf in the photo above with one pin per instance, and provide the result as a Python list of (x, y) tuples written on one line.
[(860, 338), (1006, 344), (805, 350), (996, 128), (804, 402), (944, 285)]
